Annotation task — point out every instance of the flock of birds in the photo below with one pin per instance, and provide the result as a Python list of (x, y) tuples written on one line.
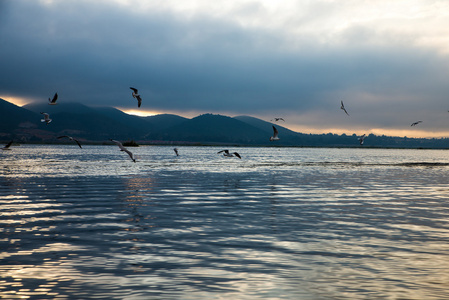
[(135, 94), (47, 120)]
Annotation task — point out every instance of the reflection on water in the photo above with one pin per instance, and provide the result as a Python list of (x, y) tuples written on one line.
[(278, 224)]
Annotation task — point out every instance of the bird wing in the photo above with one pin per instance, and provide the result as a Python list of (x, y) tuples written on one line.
[(76, 141), (139, 100), (275, 132), (63, 136), (225, 151), (131, 155), (135, 90), (55, 97), (119, 145), (238, 155)]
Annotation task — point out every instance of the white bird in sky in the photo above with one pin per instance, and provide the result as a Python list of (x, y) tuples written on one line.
[(416, 123), (124, 149), (53, 101), (228, 154), (275, 135), (46, 118), (137, 96), (343, 108), (70, 138), (6, 147)]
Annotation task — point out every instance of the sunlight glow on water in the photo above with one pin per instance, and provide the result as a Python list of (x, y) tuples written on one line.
[(282, 223)]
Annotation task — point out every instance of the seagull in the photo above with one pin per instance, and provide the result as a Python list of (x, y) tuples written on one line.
[(275, 135), (53, 101), (46, 118), (176, 151), (362, 139), (277, 119), (416, 123), (343, 108), (124, 149), (227, 154), (6, 147), (137, 96), (70, 138)]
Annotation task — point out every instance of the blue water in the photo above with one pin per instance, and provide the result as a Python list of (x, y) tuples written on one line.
[(281, 223)]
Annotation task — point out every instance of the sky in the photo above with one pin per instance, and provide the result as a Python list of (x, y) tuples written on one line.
[(388, 61)]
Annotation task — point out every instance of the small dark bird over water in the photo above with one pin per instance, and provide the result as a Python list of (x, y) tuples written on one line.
[(53, 101), (343, 108), (70, 138), (137, 96), (6, 147), (46, 118), (228, 154), (275, 135), (176, 151), (416, 123), (122, 148)]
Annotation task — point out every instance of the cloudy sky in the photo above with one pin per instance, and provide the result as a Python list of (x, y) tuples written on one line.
[(387, 60)]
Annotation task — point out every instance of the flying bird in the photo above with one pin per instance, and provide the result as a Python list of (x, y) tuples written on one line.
[(275, 135), (176, 151), (226, 153), (362, 139), (124, 149), (46, 118), (277, 119), (343, 108), (53, 101), (6, 147), (416, 123), (137, 96), (70, 138)]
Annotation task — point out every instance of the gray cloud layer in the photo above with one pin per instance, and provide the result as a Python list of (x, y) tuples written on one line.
[(91, 52)]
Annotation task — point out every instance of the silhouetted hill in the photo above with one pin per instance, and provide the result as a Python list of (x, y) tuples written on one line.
[(11, 116), (164, 121), (217, 129), (98, 124), (139, 124)]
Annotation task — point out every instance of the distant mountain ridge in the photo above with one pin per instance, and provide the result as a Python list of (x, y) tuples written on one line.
[(100, 124)]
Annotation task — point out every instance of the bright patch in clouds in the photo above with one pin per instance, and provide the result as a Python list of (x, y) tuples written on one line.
[(19, 101), (140, 113)]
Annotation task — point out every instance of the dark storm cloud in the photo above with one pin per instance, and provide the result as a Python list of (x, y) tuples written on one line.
[(92, 52)]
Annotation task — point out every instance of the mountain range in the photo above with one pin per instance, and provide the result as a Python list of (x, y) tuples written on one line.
[(100, 124)]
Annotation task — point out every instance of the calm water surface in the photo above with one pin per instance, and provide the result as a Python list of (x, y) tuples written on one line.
[(281, 223)]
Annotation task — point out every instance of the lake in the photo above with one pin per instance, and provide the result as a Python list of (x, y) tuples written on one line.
[(280, 223)]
